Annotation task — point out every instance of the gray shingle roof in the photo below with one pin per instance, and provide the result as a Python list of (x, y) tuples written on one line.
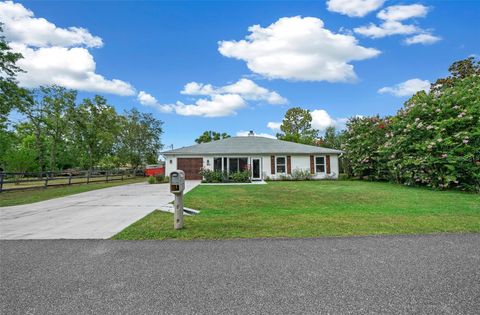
[(250, 145)]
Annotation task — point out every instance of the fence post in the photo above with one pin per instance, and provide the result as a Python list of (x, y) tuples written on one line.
[(1, 182), (69, 179), (46, 179), (88, 176), (106, 176)]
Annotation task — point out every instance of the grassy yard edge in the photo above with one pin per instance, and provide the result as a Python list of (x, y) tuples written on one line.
[(22, 197)]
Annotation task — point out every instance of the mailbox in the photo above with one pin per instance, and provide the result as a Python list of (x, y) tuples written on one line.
[(177, 182)]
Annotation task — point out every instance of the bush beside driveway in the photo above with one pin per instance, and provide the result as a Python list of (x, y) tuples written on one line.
[(313, 209)]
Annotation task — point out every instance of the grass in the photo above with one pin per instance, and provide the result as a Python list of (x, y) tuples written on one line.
[(21, 197), (313, 209)]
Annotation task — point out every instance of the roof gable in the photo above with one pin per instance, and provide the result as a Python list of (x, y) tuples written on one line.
[(250, 145)]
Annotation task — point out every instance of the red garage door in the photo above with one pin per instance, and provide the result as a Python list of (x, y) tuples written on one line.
[(191, 167)]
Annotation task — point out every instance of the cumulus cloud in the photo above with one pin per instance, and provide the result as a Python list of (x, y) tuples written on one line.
[(387, 28), (246, 88), (392, 24), (54, 55), (321, 120), (216, 106), (354, 8), (244, 133), (406, 88), (425, 39), (274, 125), (297, 48), (216, 101), (402, 12), (149, 100)]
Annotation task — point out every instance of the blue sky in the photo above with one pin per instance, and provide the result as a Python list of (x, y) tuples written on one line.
[(158, 47)]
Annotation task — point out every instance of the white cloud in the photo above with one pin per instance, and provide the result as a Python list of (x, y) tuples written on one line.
[(298, 48), (354, 8), (387, 28), (245, 134), (194, 88), (321, 120), (216, 106), (21, 26), (402, 12), (149, 100), (54, 55), (406, 88), (274, 125), (392, 18), (146, 99), (246, 88), (425, 39)]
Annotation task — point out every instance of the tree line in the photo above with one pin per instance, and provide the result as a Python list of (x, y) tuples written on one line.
[(52, 130)]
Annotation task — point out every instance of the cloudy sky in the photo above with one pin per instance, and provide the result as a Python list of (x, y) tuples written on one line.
[(231, 66)]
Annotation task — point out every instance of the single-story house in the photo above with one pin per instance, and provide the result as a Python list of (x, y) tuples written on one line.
[(264, 157)]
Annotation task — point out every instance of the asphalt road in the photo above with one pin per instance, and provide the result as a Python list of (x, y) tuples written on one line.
[(438, 274)]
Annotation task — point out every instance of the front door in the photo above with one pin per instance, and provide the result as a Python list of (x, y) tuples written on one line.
[(256, 169)]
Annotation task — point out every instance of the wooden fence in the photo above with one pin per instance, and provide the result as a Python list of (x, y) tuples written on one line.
[(20, 181)]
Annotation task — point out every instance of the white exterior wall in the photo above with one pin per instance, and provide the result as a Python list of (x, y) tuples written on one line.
[(298, 162)]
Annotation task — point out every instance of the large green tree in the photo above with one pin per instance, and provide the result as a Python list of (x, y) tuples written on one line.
[(297, 127), (58, 104), (9, 90), (139, 139), (95, 129), (209, 136)]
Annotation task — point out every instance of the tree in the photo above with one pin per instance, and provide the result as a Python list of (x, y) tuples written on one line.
[(57, 104), (10, 93), (209, 136), (96, 128), (297, 127), (139, 139), (32, 108), (332, 139)]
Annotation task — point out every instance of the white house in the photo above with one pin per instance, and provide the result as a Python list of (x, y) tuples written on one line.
[(264, 157)]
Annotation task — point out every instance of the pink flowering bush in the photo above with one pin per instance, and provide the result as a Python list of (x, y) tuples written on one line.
[(433, 141), (363, 140)]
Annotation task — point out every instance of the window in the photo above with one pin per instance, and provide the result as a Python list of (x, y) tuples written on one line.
[(237, 165), (217, 164), (281, 160), (320, 164)]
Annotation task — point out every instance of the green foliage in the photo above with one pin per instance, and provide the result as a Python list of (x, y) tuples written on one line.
[(10, 93), (433, 141), (96, 125), (210, 176), (240, 177), (301, 174), (209, 136), (139, 140), (297, 127), (151, 180), (363, 138)]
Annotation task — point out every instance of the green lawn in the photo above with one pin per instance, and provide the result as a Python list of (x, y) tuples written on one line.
[(312, 209), (21, 197)]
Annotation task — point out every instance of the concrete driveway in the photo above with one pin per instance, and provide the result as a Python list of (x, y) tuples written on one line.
[(429, 274), (95, 214)]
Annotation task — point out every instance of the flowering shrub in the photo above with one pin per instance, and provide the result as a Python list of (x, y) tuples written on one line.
[(434, 140), (362, 140)]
